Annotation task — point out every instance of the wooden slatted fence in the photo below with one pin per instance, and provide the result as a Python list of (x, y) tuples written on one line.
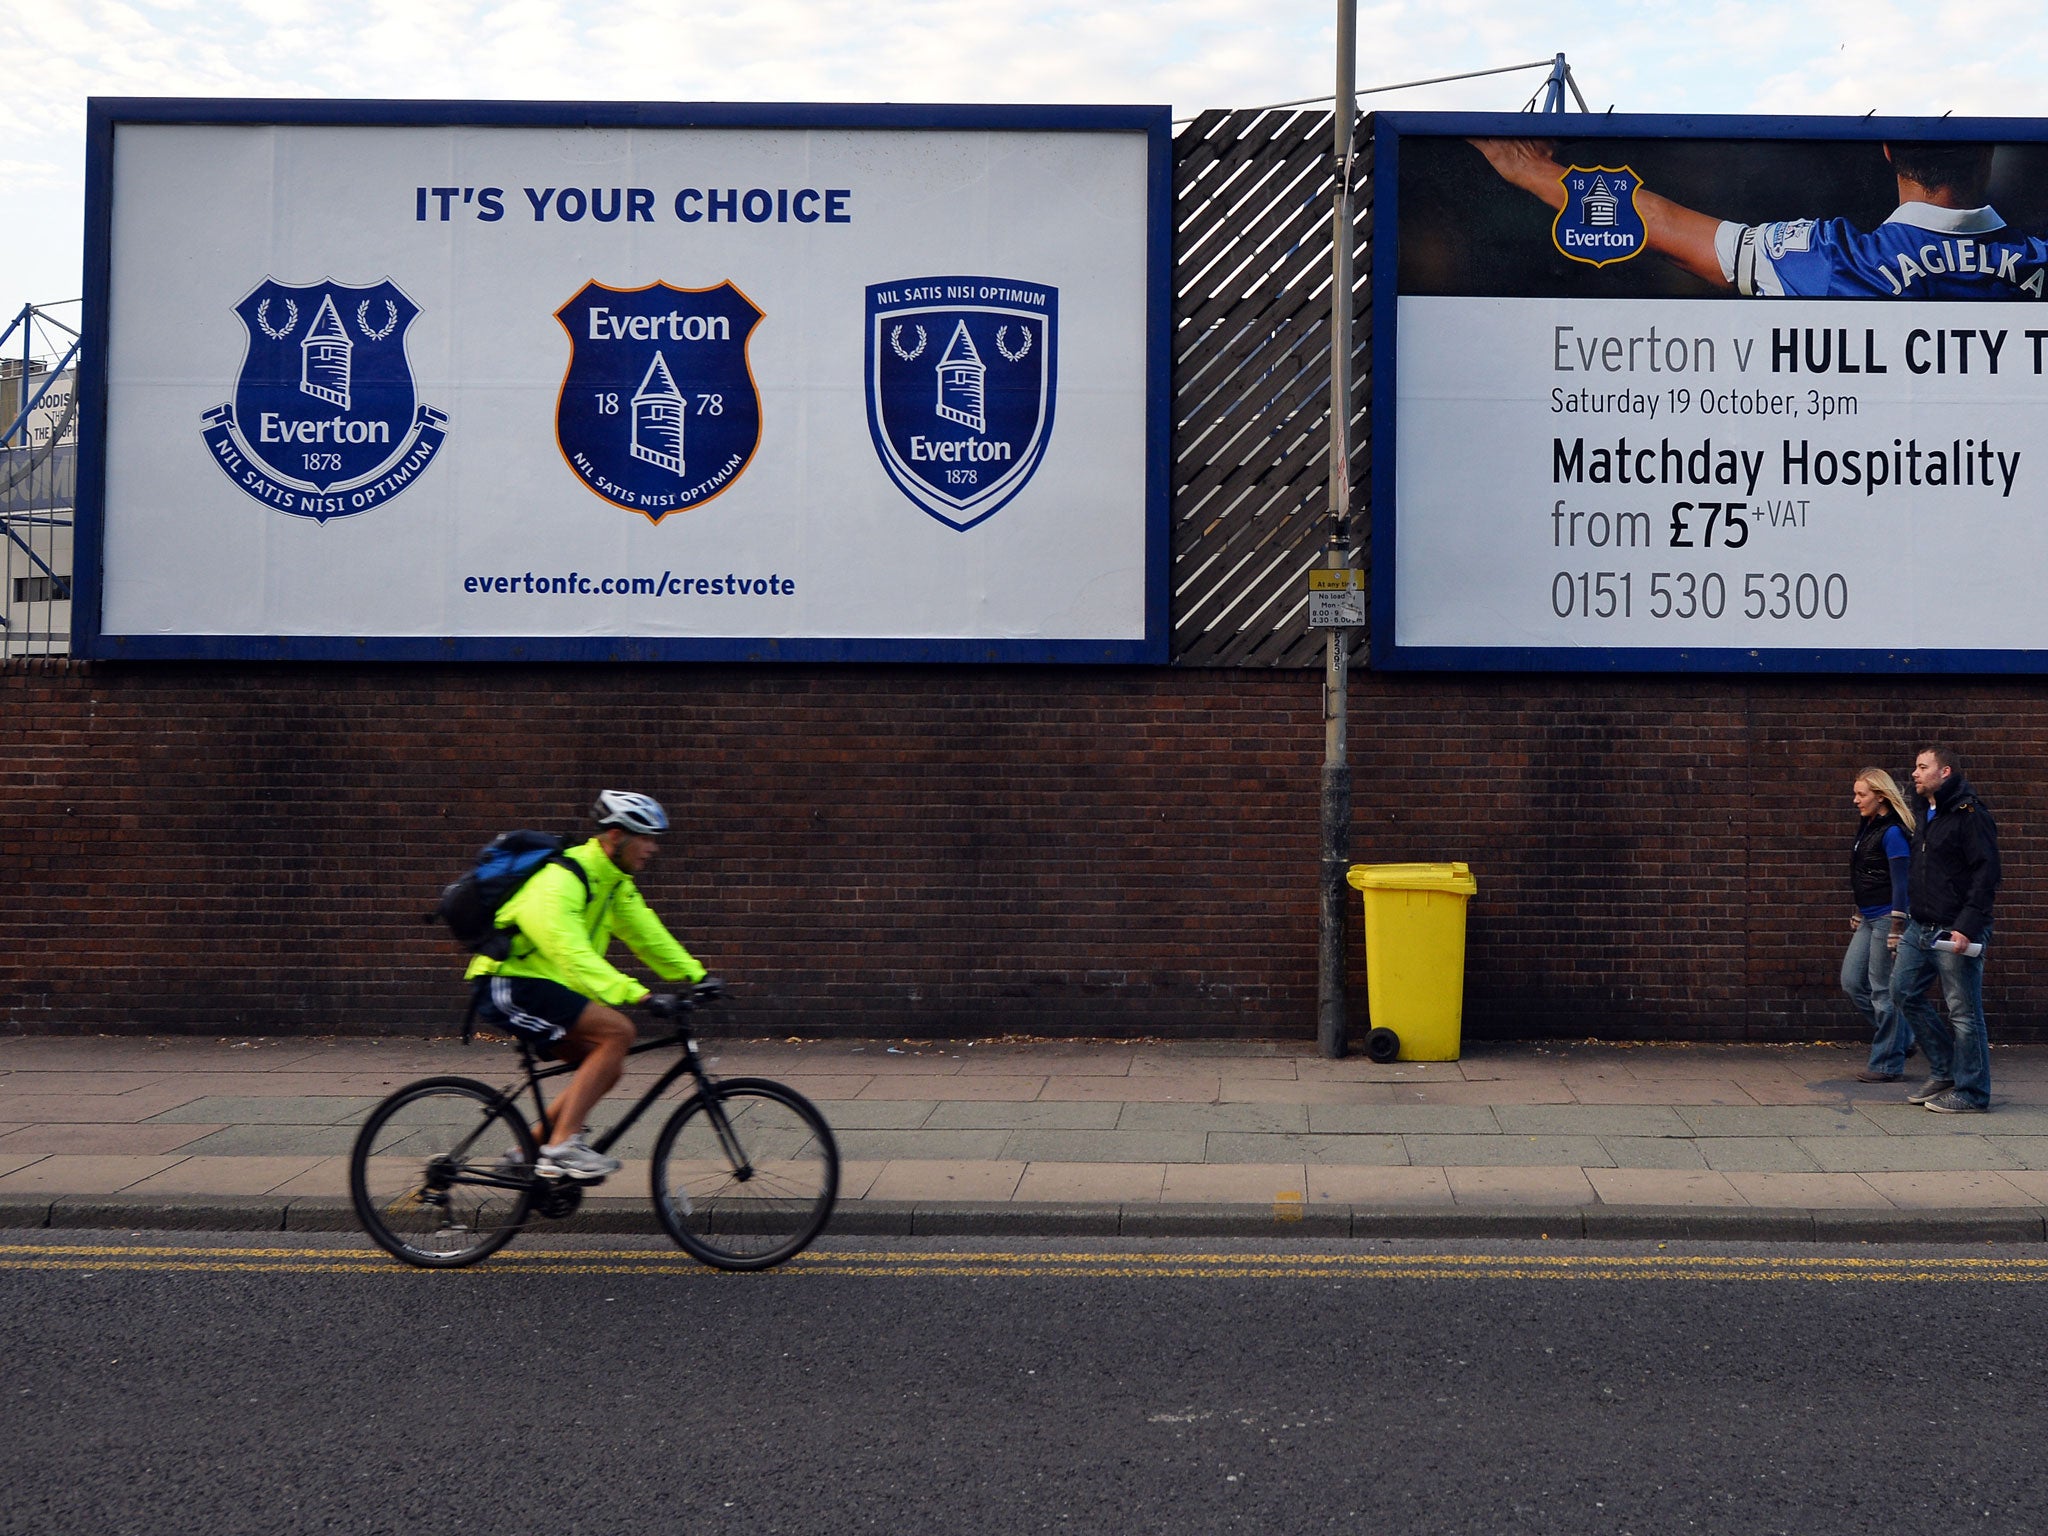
[(1251, 381)]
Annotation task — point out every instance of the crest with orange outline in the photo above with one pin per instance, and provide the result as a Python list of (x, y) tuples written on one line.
[(1599, 223), (659, 411)]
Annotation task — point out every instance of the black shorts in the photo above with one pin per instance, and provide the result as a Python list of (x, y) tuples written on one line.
[(533, 1008)]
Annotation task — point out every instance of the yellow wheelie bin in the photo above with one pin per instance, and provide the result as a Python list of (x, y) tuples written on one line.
[(1414, 957)]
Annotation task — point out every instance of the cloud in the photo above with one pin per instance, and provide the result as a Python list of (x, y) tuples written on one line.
[(1847, 56)]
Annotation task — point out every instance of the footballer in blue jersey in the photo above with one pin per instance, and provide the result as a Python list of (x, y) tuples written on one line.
[(1945, 241)]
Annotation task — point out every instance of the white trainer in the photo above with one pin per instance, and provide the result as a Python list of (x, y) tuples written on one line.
[(575, 1158)]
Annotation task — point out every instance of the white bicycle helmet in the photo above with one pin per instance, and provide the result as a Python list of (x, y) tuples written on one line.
[(636, 813)]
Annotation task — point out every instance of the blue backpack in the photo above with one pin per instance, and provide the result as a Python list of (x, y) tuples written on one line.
[(470, 906)]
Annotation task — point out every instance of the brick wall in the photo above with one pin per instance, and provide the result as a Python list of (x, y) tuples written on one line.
[(973, 851)]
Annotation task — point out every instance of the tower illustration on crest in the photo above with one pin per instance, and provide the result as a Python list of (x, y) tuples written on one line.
[(326, 356), (658, 410), (1601, 205), (960, 382)]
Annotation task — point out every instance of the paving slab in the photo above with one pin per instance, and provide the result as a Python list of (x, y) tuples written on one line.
[(2033, 1184), (1508, 1151), (1181, 1089), (1036, 1218), (943, 1180), (1213, 1117), (18, 1081), (1912, 1120), (1550, 1187), (268, 1140), (328, 1176), (877, 1114), (956, 1087), (75, 1137), (1364, 1185), (1009, 1115), (836, 1087), (63, 1173), (1262, 1147), (1107, 1146), (1742, 1154), (1067, 1183), (130, 1108), (952, 1145), (1397, 1119), (1254, 1090), (283, 1110), (1906, 1154), (1662, 1186), (1634, 1090), (1654, 1152), (1591, 1120), (1807, 1191), (1232, 1061), (1948, 1191), (1773, 1120), (1531, 1091), (225, 1176), (1259, 1184)]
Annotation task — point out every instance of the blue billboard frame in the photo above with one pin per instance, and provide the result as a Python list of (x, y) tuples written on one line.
[(1390, 128), (104, 115)]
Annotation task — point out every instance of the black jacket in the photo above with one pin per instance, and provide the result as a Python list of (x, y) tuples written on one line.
[(1955, 862), (1870, 871)]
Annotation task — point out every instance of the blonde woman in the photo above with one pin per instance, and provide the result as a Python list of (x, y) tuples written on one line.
[(1879, 861)]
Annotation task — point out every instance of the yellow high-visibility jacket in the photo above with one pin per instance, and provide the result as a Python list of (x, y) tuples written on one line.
[(563, 937)]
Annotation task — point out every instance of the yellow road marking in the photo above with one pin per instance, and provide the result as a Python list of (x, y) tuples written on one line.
[(888, 1264)]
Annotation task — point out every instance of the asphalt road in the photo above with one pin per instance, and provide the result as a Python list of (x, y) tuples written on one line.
[(174, 1383)]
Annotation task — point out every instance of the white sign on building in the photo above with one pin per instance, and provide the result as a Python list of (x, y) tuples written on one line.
[(615, 381)]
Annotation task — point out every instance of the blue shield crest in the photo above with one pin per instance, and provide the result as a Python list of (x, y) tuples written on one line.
[(325, 420), (1599, 223), (960, 380), (658, 411)]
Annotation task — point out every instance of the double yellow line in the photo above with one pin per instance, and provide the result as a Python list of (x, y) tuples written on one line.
[(887, 1264)]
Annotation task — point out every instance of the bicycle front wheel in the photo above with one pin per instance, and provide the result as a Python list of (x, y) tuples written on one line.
[(442, 1172), (746, 1177)]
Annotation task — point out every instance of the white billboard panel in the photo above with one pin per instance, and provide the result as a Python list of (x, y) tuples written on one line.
[(1726, 394), (840, 383)]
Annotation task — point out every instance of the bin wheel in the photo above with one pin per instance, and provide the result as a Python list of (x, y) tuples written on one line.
[(1382, 1045)]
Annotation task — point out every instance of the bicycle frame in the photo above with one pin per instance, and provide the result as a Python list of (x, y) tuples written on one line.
[(691, 1065)]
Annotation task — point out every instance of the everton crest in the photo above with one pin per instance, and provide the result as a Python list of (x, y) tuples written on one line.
[(960, 376), (325, 421), (658, 411), (1599, 223)]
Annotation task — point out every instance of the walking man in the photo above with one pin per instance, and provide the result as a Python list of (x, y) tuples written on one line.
[(1949, 896)]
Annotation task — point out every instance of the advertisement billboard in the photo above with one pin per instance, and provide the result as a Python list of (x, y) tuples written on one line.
[(1721, 394), (485, 380)]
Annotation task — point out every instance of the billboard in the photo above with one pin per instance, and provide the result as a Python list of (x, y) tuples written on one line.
[(490, 380), (1714, 393)]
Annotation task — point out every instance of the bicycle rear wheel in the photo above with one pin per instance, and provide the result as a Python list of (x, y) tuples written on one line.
[(431, 1177), (746, 1178)]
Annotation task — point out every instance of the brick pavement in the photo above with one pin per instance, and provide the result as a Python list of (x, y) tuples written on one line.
[(1070, 1136)]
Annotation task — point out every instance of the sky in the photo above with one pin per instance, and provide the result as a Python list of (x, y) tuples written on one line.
[(1983, 57)]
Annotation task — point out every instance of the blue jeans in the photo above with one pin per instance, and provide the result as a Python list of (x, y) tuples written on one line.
[(1867, 978), (1960, 1051)]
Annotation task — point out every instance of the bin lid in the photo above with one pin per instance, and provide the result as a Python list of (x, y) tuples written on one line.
[(1455, 879)]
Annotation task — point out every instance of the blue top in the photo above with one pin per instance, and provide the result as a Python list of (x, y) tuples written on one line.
[(1898, 853), (1920, 252)]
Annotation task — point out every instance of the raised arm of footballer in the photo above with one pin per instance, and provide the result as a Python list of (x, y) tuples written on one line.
[(1944, 241)]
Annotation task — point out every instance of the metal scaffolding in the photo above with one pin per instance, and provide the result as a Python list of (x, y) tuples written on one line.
[(38, 480)]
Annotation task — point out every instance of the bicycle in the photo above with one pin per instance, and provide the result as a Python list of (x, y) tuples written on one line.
[(745, 1172)]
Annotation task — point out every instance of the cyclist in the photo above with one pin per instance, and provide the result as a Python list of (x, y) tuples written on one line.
[(557, 990)]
